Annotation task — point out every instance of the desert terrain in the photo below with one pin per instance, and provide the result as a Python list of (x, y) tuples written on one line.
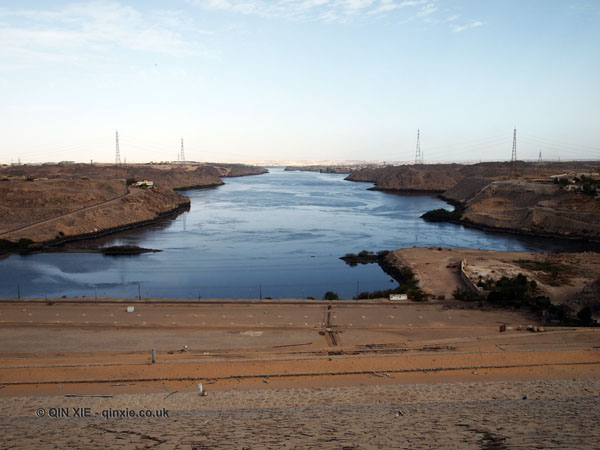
[(292, 374), (516, 196), (61, 202), (563, 277)]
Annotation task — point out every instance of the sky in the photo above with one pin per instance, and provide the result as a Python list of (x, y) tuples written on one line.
[(257, 80)]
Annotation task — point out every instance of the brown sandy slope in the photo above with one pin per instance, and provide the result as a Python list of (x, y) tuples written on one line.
[(408, 376), (502, 195), (50, 202), (437, 270), (140, 205), (26, 202), (88, 344), (535, 208), (435, 177), (441, 177)]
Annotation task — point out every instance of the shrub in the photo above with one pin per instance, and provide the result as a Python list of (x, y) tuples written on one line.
[(329, 295), (585, 314), (10, 246), (465, 295), (442, 214)]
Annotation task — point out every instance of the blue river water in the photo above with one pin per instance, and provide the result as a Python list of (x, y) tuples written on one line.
[(276, 235)]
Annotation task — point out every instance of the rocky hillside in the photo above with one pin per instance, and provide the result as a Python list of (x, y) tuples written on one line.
[(534, 208), (78, 218), (434, 177), (511, 196), (238, 170), (46, 203), (442, 177)]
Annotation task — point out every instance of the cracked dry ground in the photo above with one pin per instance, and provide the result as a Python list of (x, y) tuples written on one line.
[(492, 415)]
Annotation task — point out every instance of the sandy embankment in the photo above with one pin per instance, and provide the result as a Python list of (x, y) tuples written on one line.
[(397, 375), (514, 197), (499, 415), (58, 202), (97, 345), (436, 269)]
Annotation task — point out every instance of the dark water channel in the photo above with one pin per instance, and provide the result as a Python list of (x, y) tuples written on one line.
[(277, 235)]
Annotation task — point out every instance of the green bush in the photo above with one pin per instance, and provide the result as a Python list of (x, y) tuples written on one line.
[(465, 295), (585, 314), (442, 214), (514, 291), (10, 246), (329, 295)]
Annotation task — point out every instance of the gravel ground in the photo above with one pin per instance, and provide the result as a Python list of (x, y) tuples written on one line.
[(490, 415)]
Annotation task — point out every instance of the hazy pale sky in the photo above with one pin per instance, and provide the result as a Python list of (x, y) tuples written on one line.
[(299, 79)]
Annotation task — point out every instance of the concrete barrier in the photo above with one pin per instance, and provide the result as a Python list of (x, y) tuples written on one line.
[(467, 281)]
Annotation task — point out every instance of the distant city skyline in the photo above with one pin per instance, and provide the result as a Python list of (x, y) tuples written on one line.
[(298, 80)]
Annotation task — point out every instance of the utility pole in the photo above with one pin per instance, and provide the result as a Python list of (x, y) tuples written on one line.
[(513, 158), (419, 154), (540, 156), (118, 154)]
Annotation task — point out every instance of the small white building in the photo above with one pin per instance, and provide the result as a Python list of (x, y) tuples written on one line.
[(145, 183), (398, 297)]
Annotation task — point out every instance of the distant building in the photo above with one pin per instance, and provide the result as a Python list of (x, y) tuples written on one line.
[(398, 297), (145, 184)]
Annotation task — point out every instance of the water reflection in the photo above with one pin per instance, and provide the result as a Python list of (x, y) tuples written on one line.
[(280, 233)]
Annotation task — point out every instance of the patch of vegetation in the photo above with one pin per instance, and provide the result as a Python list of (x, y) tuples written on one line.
[(442, 214), (364, 257), (585, 315), (408, 285), (130, 181), (519, 292), (465, 295), (329, 295), (543, 266), (125, 250), (21, 245), (589, 185)]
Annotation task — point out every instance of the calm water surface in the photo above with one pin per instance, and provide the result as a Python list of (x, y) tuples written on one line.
[(277, 235)]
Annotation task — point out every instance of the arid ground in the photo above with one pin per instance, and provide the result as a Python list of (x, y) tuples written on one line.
[(293, 374), (560, 276)]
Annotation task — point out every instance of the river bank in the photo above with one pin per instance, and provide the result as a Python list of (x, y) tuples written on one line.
[(516, 197), (52, 205)]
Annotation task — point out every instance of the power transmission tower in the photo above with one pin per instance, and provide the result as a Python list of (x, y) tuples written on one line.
[(182, 153), (540, 156), (419, 154), (118, 154), (514, 150)]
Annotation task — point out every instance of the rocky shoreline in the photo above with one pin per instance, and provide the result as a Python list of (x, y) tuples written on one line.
[(85, 236), (517, 198), (56, 204)]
